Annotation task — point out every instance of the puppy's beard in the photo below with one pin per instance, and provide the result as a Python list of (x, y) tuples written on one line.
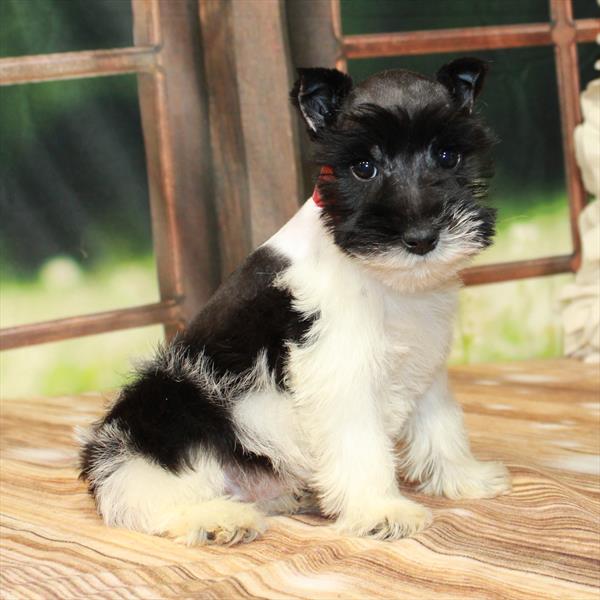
[(410, 273), (464, 230), (437, 269)]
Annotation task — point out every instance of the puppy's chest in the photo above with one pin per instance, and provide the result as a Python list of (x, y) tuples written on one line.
[(418, 333)]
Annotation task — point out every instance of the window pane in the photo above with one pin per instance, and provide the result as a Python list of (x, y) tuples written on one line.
[(520, 102), (586, 9), (96, 363), (75, 231), (372, 16), (514, 320), (588, 55), (44, 26)]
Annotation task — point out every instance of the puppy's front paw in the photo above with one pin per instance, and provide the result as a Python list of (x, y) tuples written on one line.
[(388, 520), (472, 479)]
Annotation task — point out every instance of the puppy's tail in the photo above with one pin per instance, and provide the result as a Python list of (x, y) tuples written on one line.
[(154, 403), (143, 446)]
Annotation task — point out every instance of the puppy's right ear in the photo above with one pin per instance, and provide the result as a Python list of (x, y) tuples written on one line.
[(318, 94), (463, 78)]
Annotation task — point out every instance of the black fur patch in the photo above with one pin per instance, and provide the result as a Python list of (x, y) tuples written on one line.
[(246, 315), (166, 415)]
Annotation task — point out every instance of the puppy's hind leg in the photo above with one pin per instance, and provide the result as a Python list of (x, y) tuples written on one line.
[(190, 505), (437, 453), (291, 504), (219, 521)]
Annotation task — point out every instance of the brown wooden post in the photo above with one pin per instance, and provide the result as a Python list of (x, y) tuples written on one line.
[(174, 120), (567, 74), (312, 28), (230, 183), (268, 121), (314, 42), (252, 128)]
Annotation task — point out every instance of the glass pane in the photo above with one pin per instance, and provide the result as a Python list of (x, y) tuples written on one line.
[(514, 320), (75, 232), (586, 9), (96, 363), (372, 16), (520, 102), (45, 26)]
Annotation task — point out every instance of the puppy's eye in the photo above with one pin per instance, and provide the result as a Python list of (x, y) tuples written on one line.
[(448, 159), (365, 169)]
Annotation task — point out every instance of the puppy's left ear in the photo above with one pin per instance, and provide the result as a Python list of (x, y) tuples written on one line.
[(463, 78), (318, 94)]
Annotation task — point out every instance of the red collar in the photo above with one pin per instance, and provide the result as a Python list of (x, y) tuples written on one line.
[(326, 174)]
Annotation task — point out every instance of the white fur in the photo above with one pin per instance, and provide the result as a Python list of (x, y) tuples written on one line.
[(437, 452), (266, 425), (143, 496), (194, 506), (380, 343)]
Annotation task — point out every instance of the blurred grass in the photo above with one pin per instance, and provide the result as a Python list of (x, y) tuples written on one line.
[(517, 320), (499, 322), (97, 363), (62, 289)]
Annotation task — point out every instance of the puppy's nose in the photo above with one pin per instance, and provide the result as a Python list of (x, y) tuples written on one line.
[(420, 240)]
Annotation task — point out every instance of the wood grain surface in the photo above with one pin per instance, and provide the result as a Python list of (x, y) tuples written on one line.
[(541, 541)]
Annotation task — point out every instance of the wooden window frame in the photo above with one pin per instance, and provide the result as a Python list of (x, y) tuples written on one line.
[(168, 37), (182, 227)]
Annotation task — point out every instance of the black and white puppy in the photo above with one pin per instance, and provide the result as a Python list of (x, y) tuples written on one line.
[(292, 387)]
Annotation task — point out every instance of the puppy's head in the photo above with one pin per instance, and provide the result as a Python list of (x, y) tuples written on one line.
[(408, 162)]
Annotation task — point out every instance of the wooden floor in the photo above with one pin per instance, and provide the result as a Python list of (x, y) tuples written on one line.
[(541, 541)]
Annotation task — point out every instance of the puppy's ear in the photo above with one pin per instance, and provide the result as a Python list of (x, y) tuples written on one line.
[(318, 94), (463, 78)]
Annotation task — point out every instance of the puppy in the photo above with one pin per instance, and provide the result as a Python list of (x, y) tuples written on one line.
[(292, 387)]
